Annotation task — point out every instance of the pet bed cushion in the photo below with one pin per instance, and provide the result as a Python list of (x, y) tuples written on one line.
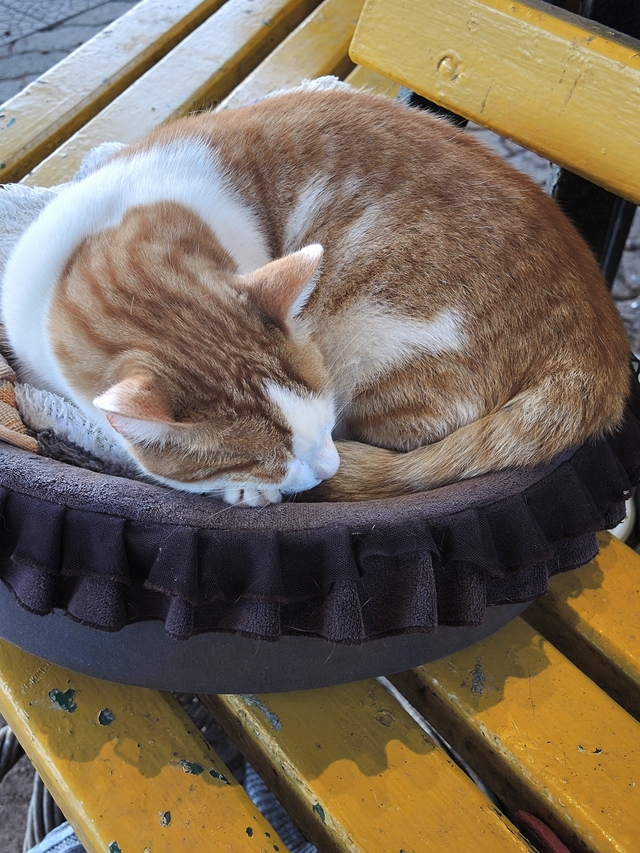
[(110, 551)]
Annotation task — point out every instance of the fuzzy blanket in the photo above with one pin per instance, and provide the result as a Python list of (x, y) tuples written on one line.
[(31, 418)]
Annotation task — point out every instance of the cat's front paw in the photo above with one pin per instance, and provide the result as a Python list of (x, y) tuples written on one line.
[(251, 496)]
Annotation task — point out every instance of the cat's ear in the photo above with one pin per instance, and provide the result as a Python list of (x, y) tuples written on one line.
[(137, 409), (284, 285)]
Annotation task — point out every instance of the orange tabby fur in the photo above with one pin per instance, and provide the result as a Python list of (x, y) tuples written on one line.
[(420, 225)]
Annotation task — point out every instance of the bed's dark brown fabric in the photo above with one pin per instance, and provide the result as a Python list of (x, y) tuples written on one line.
[(111, 551)]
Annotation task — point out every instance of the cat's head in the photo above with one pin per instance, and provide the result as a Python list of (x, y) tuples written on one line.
[(249, 416)]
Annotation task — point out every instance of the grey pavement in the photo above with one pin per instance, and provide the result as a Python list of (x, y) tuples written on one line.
[(34, 35)]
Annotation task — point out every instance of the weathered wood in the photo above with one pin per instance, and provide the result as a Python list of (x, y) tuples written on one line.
[(318, 47), (125, 764), (540, 733), (42, 116), (357, 772), (480, 58), (592, 616), (197, 73)]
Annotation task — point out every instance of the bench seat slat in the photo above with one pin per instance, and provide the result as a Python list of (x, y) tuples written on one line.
[(540, 733), (365, 78), (591, 615), (357, 773), (125, 764), (44, 114), (479, 58), (198, 72), (317, 47)]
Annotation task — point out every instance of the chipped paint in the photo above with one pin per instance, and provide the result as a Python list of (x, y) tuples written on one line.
[(249, 832), (217, 775), (191, 767), (114, 847), (317, 808), (39, 674), (63, 700), (477, 678), (254, 701), (385, 718), (106, 717), (165, 818)]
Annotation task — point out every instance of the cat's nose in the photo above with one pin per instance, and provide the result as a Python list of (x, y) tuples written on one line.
[(327, 462)]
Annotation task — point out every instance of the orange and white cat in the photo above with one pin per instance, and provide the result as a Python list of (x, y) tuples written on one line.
[(238, 289)]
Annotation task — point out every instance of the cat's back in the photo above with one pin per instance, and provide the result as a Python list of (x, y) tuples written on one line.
[(416, 212)]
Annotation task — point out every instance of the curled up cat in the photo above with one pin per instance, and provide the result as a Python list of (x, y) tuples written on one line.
[(325, 291)]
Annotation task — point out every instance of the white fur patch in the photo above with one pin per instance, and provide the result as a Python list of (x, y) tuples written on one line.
[(183, 172), (378, 339), (358, 233), (311, 420), (312, 198)]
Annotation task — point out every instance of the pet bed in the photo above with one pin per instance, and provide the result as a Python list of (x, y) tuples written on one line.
[(135, 582)]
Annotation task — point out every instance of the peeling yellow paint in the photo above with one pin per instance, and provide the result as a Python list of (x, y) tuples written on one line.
[(105, 777)]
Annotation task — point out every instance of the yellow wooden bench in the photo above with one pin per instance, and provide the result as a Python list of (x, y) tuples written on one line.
[(545, 711)]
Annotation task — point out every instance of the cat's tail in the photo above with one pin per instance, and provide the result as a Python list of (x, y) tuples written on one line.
[(530, 429)]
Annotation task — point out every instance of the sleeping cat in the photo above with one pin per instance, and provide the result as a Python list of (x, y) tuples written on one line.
[(240, 288)]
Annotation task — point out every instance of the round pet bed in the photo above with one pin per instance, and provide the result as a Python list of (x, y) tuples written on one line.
[(141, 584)]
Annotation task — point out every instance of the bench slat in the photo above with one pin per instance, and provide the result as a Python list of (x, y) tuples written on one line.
[(42, 116), (358, 774), (479, 58), (199, 72), (365, 78), (125, 764), (591, 615), (318, 47), (543, 737)]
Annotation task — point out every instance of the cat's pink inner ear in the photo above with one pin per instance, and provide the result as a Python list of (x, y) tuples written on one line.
[(283, 286), (136, 408)]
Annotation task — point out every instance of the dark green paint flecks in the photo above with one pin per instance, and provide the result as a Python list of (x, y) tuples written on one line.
[(249, 832), (165, 818), (191, 767), (114, 847), (64, 700), (319, 811), (254, 701), (216, 775), (106, 717)]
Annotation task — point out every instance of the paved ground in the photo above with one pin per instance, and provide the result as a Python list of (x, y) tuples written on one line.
[(34, 35)]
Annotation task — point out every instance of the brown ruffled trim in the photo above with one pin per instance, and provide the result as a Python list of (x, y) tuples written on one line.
[(329, 575)]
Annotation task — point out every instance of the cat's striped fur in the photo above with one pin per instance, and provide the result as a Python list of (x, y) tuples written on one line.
[(229, 291)]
